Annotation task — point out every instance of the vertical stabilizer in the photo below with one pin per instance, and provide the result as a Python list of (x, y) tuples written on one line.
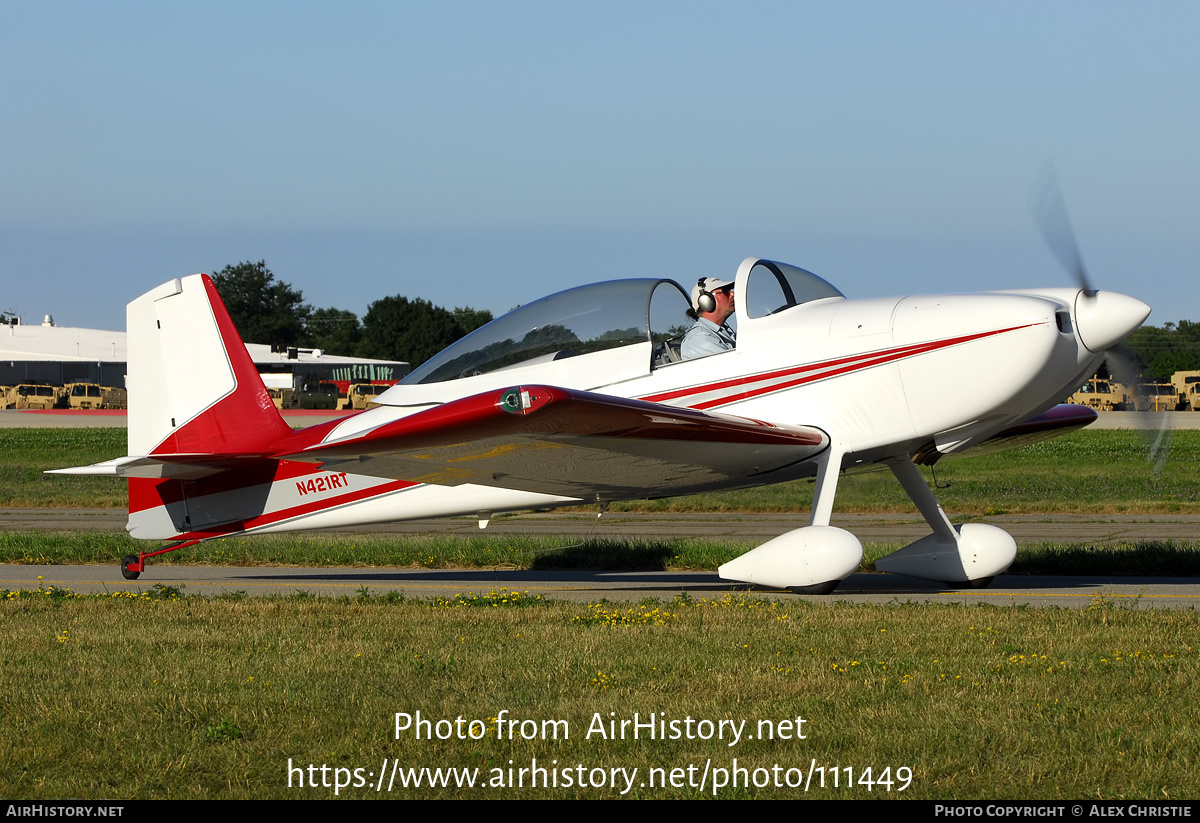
[(193, 388)]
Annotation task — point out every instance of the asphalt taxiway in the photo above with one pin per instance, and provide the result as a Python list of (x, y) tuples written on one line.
[(1068, 591), (590, 586), (1025, 528)]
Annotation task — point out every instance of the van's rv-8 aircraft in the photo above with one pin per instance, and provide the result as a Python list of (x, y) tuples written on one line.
[(581, 397)]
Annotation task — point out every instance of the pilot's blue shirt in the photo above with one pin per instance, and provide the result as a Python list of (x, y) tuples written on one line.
[(704, 338)]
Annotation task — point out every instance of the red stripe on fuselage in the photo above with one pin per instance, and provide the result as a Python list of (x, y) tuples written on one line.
[(823, 370), (148, 493), (270, 518)]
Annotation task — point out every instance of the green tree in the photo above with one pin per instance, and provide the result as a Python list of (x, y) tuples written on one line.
[(396, 328), (1163, 351), (335, 331), (471, 319), (265, 310)]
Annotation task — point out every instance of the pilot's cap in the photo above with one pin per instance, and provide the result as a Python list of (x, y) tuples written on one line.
[(710, 285)]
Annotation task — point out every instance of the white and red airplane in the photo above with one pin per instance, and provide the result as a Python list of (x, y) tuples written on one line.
[(581, 397)]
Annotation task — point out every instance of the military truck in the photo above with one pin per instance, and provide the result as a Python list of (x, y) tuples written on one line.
[(317, 395), (31, 396), (92, 396), (1159, 397), (283, 398), (1102, 395), (1187, 384), (361, 396)]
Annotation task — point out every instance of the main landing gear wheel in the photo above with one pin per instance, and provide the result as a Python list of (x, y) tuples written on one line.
[(817, 588), (127, 561), (981, 583)]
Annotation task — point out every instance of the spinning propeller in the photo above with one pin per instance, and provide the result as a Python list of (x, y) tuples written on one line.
[(1050, 211), (1102, 319)]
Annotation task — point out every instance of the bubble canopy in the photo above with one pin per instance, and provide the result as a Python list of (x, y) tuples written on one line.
[(611, 315), (570, 323)]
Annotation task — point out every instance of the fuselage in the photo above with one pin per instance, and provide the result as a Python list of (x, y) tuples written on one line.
[(880, 375)]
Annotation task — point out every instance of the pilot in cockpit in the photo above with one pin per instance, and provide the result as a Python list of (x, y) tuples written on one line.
[(712, 306)]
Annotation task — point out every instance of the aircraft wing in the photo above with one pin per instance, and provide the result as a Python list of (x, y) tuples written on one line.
[(572, 443), (1054, 422)]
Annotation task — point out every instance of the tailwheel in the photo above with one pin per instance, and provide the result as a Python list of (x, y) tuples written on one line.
[(817, 588), (128, 561)]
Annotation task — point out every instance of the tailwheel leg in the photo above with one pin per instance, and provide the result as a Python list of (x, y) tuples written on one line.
[(132, 566)]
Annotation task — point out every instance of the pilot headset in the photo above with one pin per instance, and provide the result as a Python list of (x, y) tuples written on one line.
[(705, 300)]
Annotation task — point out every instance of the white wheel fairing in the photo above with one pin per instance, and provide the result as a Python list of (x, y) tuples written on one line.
[(803, 557), (981, 551)]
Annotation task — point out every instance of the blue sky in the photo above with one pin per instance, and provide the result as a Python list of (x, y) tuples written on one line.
[(485, 154)]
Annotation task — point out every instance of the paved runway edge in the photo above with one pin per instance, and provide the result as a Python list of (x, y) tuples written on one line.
[(1055, 528), (591, 586)]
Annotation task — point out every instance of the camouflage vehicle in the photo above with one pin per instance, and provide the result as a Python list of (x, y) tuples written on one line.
[(1159, 397), (115, 397), (92, 396), (31, 396), (1187, 384), (361, 396), (1102, 395), (317, 395), (82, 396), (283, 398)]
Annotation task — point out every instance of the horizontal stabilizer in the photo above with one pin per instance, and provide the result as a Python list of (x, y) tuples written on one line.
[(179, 467)]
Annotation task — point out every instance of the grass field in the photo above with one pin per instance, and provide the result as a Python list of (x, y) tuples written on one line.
[(1088, 471), (26, 453), (164, 697)]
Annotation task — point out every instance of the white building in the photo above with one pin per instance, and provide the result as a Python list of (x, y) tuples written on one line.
[(58, 355)]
